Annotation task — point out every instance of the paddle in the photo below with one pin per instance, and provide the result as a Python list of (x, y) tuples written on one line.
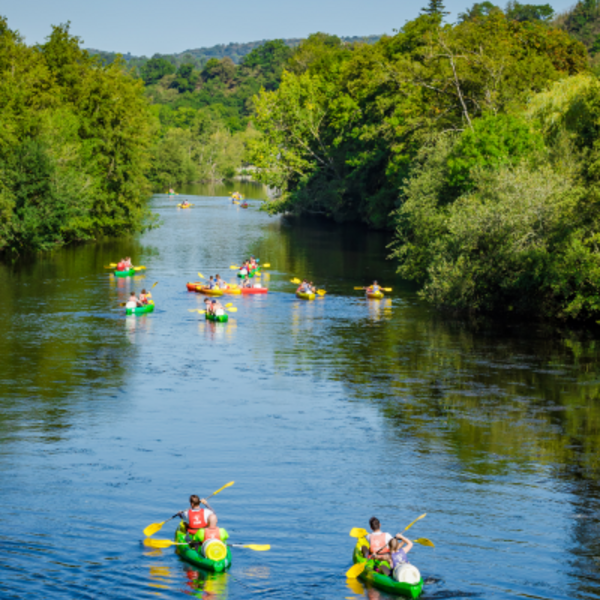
[(155, 527), (140, 268), (360, 533), (295, 280), (111, 266), (153, 543), (365, 288), (200, 275), (266, 265), (321, 292)]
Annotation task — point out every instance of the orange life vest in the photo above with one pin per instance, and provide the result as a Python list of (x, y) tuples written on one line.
[(196, 520), (377, 542), (212, 533)]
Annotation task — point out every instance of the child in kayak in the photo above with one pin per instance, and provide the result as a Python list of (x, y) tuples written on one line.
[(133, 301), (217, 308), (127, 264), (247, 283), (220, 283), (196, 518), (399, 547), (145, 297), (244, 269), (211, 532), (208, 306), (211, 283)]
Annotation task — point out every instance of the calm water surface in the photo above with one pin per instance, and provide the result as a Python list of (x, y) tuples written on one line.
[(324, 413)]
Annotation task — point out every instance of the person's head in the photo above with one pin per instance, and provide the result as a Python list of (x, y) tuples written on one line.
[(128, 258), (394, 545), (374, 523), (132, 295), (218, 276), (194, 501), (214, 301), (212, 520), (375, 283), (206, 300), (211, 278), (144, 292)]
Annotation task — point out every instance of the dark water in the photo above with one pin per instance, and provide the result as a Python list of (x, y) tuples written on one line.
[(324, 413)]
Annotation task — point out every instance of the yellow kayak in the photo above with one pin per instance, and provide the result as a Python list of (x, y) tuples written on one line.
[(209, 292), (305, 295), (375, 295), (185, 205)]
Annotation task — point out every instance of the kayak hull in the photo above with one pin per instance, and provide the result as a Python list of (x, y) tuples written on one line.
[(140, 310), (208, 292), (305, 295), (197, 558), (233, 291), (251, 274), (375, 295), (254, 290), (217, 318), (385, 582), (186, 206), (128, 273), (192, 285)]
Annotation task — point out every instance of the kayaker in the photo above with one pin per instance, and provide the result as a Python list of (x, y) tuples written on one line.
[(133, 301), (378, 542), (211, 531), (217, 308), (374, 287), (244, 269), (221, 284), (121, 265), (211, 283), (208, 306), (145, 297), (196, 518), (252, 263), (127, 263), (304, 287)]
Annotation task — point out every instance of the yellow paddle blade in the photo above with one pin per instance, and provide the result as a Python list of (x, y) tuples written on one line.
[(359, 288), (257, 547), (295, 280), (154, 285), (321, 292), (417, 519), (153, 528), (355, 570), (233, 267), (141, 268), (152, 543), (108, 267), (229, 304), (201, 276), (424, 542), (387, 289), (200, 312), (357, 532), (266, 265), (221, 489), (232, 309)]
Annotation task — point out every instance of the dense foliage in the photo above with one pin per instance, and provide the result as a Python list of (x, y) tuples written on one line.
[(73, 145)]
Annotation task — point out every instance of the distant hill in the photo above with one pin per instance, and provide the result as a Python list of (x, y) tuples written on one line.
[(582, 21), (234, 51)]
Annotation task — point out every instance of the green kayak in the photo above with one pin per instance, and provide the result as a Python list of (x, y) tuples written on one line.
[(129, 273), (140, 310), (385, 582), (217, 318), (196, 558), (251, 274)]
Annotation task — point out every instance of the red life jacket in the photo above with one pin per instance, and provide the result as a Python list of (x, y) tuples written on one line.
[(196, 520), (212, 533), (121, 266)]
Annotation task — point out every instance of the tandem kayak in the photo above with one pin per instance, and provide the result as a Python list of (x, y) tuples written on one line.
[(203, 289), (383, 582), (217, 318), (185, 205), (251, 274), (232, 289), (244, 205), (196, 558), (374, 295), (254, 290), (141, 310), (192, 285), (128, 273), (305, 295)]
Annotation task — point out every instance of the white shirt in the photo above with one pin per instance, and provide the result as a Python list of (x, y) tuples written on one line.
[(131, 304)]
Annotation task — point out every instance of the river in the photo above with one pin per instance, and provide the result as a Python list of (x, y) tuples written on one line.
[(324, 413)]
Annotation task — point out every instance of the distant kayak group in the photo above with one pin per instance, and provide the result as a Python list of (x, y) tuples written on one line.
[(237, 198), (379, 558)]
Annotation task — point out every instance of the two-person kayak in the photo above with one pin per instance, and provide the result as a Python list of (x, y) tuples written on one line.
[(126, 273), (141, 310), (305, 295)]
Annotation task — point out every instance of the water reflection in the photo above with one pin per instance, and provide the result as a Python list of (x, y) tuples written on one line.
[(208, 586)]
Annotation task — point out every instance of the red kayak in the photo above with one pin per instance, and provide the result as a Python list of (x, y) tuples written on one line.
[(192, 286), (254, 290)]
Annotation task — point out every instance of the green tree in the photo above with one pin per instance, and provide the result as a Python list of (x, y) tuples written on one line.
[(435, 8), (155, 69)]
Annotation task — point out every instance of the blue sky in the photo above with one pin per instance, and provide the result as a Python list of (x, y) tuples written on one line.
[(165, 26)]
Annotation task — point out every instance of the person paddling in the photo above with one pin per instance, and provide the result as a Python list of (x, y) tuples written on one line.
[(208, 306), (145, 297), (220, 283), (217, 308), (211, 283), (196, 518), (378, 542), (127, 263)]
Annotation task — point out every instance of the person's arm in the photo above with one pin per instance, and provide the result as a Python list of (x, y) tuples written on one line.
[(203, 501), (409, 544), (224, 534)]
